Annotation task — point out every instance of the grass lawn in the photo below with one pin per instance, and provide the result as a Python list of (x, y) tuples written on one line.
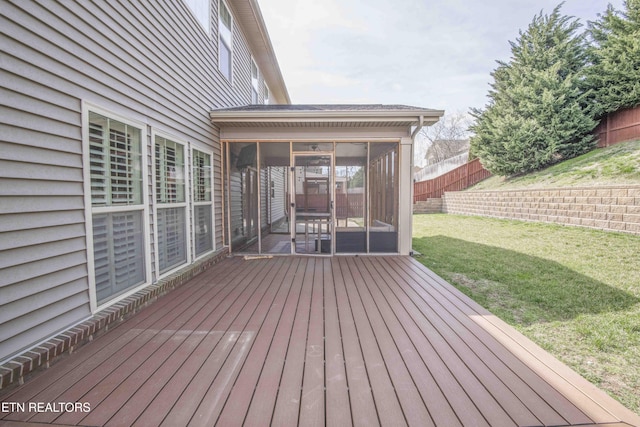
[(573, 291), (615, 165)]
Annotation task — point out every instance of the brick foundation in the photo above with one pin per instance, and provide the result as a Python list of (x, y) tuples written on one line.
[(15, 370), (605, 208)]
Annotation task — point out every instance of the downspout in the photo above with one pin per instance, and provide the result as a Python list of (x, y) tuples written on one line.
[(413, 143), (417, 129)]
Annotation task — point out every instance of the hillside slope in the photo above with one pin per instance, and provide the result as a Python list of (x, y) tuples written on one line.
[(615, 165)]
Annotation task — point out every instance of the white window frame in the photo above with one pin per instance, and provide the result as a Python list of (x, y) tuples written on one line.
[(266, 93), (195, 6), (158, 205), (221, 36), (206, 150), (90, 210), (255, 83)]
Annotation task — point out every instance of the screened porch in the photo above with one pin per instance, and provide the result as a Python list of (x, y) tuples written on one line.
[(318, 197), (318, 179)]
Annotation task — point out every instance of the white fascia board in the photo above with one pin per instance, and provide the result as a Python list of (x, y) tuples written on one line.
[(430, 116)]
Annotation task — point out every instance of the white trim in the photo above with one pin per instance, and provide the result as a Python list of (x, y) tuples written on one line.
[(405, 196), (209, 150), (266, 96), (274, 116), (220, 41), (113, 209), (187, 188), (193, 204), (255, 84), (86, 181), (207, 28), (88, 107)]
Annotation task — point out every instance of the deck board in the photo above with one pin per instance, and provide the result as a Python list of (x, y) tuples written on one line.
[(287, 408), (435, 401), (386, 400), (337, 387), (411, 401), (473, 314), (264, 323), (467, 339), (363, 408), (315, 341), (266, 390), (451, 344), (312, 404)]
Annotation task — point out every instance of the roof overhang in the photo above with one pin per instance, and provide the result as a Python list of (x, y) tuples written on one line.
[(336, 116), (247, 13)]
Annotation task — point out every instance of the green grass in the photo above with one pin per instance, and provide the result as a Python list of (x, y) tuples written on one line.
[(618, 164), (574, 291)]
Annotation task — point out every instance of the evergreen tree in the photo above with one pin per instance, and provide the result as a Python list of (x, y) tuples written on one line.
[(538, 111), (614, 73)]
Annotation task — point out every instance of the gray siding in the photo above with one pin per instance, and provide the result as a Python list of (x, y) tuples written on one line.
[(264, 198), (278, 201), (149, 61), (237, 231)]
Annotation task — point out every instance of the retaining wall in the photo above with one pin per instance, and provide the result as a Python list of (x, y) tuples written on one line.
[(605, 208), (428, 206)]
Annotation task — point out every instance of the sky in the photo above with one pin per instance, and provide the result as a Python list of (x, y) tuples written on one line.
[(425, 53)]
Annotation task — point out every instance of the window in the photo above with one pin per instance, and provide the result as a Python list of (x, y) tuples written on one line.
[(116, 169), (171, 203), (254, 82), (202, 10), (266, 94), (117, 208), (202, 202), (225, 45)]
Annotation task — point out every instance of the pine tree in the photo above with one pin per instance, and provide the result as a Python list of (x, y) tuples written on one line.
[(614, 73), (538, 111)]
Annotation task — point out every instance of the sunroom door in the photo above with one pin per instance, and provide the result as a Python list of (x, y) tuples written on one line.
[(312, 205)]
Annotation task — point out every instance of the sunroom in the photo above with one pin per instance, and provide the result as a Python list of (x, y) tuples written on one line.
[(318, 179)]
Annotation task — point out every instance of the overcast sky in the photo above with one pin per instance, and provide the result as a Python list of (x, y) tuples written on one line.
[(426, 53)]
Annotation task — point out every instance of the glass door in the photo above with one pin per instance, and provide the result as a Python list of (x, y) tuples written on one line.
[(312, 204)]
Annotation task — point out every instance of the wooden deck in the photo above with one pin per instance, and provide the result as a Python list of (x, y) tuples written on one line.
[(314, 341)]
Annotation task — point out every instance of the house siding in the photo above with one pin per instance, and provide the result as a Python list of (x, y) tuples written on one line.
[(149, 61), (278, 201)]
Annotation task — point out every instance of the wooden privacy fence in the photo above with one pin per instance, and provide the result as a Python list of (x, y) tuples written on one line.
[(458, 179), (620, 126), (346, 205)]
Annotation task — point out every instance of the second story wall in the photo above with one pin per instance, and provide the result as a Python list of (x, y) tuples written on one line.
[(148, 61)]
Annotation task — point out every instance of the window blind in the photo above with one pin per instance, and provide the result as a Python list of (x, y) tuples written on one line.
[(115, 162), (201, 176), (170, 176), (118, 252), (203, 238), (172, 243)]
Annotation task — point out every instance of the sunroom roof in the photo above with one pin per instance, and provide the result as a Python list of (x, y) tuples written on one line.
[(336, 115)]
